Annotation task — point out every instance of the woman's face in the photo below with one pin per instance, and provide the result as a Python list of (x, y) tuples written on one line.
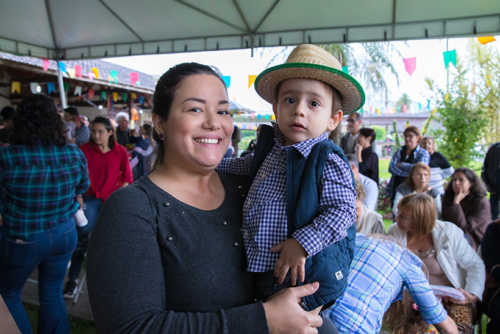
[(199, 126), (420, 178), (403, 219), (460, 182), (100, 135), (364, 141), (428, 145), (411, 140)]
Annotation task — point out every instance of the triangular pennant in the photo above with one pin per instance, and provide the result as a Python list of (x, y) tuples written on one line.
[(486, 39), (78, 71), (66, 86), (90, 94), (450, 56), (227, 80), (104, 95), (133, 96), (62, 66), (410, 64), (51, 87), (124, 97), (251, 80), (115, 96), (35, 88), (46, 64), (95, 71), (134, 77), (71, 72), (141, 100), (114, 76), (78, 91)]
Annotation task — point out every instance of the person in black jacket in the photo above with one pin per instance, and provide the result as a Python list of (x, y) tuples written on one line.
[(367, 158), (491, 177), (490, 252)]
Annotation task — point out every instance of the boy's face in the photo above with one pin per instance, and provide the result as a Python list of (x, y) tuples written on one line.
[(304, 110)]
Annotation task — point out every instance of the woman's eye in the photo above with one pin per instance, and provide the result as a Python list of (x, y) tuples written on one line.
[(195, 109), (223, 112)]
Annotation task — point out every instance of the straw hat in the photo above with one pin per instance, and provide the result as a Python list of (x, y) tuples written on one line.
[(308, 61)]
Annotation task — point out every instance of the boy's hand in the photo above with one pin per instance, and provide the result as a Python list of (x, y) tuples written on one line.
[(293, 258)]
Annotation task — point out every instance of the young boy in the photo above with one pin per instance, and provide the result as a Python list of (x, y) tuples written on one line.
[(299, 213)]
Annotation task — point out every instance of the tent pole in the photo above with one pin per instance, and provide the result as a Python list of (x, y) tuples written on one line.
[(62, 92)]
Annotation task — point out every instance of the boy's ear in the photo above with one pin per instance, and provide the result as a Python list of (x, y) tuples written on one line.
[(334, 121)]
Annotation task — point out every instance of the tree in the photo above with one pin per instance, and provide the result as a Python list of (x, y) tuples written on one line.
[(462, 118)]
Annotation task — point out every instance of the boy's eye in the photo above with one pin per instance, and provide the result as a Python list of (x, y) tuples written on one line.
[(289, 100), (315, 104)]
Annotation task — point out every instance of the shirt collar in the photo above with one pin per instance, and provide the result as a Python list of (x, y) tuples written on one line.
[(303, 147)]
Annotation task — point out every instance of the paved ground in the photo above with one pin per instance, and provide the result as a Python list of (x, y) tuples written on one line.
[(80, 309)]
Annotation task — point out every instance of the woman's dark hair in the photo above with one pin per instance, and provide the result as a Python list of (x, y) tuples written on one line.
[(369, 133), (37, 122), (165, 92), (477, 188), (109, 127)]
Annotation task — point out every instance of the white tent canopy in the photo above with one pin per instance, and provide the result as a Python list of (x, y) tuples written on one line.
[(73, 29)]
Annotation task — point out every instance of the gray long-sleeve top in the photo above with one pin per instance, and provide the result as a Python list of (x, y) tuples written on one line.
[(186, 276)]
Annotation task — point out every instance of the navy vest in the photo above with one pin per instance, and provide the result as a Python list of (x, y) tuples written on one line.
[(331, 266)]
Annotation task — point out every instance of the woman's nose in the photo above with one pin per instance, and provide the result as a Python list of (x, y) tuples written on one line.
[(211, 120)]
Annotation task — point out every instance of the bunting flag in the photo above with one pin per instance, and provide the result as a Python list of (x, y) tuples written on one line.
[(78, 91), (428, 104), (78, 71), (410, 65), (486, 39), (71, 72), (345, 69), (62, 66), (273, 117), (134, 77), (46, 64), (405, 108), (133, 96), (488, 80), (66, 86), (95, 71), (227, 80), (378, 111), (450, 56), (251, 80), (90, 94), (104, 95), (124, 97), (407, 124), (114, 76), (35, 88), (420, 106), (51, 87), (141, 100), (115, 96), (447, 97)]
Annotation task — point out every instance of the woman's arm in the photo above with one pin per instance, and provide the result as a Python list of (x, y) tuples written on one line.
[(394, 165)]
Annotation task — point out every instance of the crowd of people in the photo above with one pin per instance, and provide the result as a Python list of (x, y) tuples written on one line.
[(285, 238)]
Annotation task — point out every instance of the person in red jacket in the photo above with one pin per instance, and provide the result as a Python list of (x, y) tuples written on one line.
[(109, 170)]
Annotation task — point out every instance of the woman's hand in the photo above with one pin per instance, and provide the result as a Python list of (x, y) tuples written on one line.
[(460, 195), (469, 298), (359, 148), (285, 315)]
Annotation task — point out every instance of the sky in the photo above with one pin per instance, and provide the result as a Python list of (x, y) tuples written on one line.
[(240, 63)]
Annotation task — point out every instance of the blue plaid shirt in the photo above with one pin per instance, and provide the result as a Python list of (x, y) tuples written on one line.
[(265, 209), (379, 272), (38, 186), (419, 155)]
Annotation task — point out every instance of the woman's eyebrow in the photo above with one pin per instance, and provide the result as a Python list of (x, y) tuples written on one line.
[(196, 99)]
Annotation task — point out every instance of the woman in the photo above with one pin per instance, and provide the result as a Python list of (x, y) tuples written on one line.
[(404, 158), (466, 205), (143, 150), (367, 159), (442, 247), (367, 220), (417, 182), (109, 170), (167, 254), (490, 252), (41, 182), (440, 167)]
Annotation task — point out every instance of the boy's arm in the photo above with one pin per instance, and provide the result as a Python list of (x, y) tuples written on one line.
[(337, 208), (237, 166)]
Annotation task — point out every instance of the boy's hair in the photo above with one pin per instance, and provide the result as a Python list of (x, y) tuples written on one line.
[(422, 212), (336, 97)]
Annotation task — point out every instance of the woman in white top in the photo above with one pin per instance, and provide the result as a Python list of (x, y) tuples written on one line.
[(441, 245)]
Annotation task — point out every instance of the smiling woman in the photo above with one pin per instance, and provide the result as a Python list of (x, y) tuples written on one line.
[(166, 255)]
